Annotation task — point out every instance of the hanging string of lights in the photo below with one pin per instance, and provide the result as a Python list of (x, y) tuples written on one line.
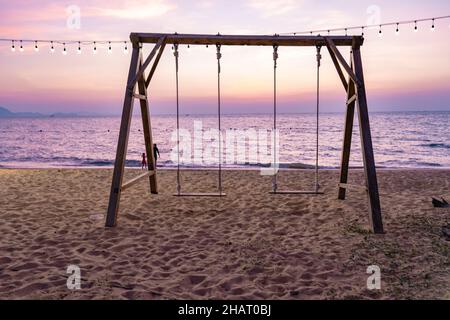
[(66, 43), (362, 28)]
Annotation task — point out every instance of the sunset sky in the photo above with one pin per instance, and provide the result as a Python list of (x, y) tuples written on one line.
[(406, 72)]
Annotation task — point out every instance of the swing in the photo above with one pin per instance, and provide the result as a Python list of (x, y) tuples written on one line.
[(220, 192), (316, 190)]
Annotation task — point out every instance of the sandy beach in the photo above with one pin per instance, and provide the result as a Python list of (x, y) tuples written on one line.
[(248, 245)]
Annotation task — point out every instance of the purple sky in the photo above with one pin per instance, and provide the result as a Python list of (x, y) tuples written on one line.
[(406, 72)]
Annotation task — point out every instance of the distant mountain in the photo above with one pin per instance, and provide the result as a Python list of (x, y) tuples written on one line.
[(5, 113), (63, 115)]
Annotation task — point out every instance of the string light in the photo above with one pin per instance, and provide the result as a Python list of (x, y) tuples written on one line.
[(362, 27), (347, 30)]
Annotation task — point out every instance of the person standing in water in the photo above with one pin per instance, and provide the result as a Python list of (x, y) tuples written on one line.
[(144, 161), (155, 153)]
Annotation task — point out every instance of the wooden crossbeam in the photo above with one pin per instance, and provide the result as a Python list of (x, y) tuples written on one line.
[(139, 96), (147, 61), (135, 180), (244, 40), (352, 99), (332, 46), (155, 64), (338, 68)]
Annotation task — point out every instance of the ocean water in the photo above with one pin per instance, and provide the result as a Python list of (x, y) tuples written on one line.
[(401, 140)]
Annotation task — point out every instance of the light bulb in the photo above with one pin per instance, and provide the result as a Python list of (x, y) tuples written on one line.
[(36, 48), (109, 48), (21, 49), (64, 52), (95, 49), (397, 31), (415, 27), (125, 50), (13, 47), (189, 48), (380, 33), (432, 26)]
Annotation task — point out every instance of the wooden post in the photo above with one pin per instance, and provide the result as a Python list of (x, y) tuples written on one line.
[(338, 67), (366, 146), (348, 130), (147, 127), (155, 64), (119, 165)]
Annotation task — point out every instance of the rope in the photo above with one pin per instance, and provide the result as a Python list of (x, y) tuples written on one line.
[(219, 56), (176, 54), (274, 177), (319, 57)]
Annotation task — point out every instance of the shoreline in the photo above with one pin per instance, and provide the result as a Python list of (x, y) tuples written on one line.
[(226, 169)]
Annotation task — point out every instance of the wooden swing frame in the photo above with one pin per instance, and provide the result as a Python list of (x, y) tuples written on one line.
[(354, 88)]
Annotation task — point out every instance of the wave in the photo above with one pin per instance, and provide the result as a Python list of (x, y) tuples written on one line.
[(436, 145)]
